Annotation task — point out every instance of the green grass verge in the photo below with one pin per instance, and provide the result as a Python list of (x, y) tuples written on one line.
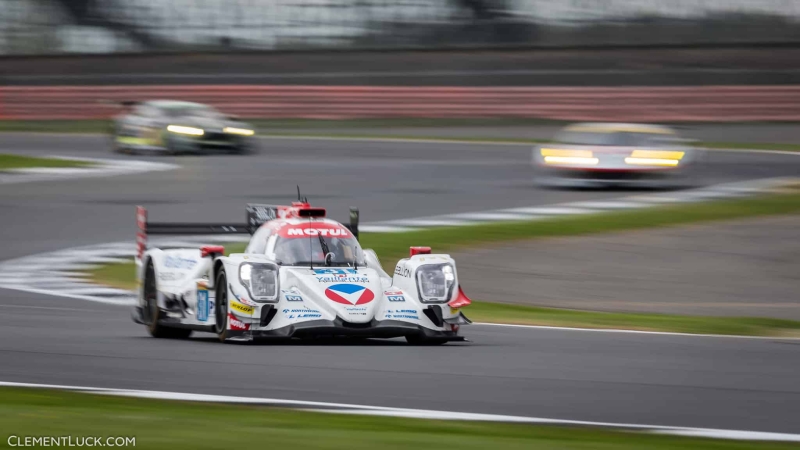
[(8, 162), (334, 128), (496, 140), (182, 425), (404, 137), (554, 317), (393, 246), (118, 275), (55, 126)]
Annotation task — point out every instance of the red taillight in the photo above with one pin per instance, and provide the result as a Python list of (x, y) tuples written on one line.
[(211, 250), (461, 300), (420, 251)]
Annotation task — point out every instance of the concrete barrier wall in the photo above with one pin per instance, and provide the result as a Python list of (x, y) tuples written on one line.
[(651, 104)]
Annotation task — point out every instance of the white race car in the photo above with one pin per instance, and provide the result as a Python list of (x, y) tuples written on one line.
[(301, 276), (603, 154)]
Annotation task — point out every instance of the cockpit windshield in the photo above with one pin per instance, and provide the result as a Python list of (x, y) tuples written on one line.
[(307, 250)]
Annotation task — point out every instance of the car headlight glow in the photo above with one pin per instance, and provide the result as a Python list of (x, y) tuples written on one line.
[(567, 156), (435, 282), (192, 131), (570, 160), (654, 158), (260, 279), (566, 153), (240, 131), (652, 162)]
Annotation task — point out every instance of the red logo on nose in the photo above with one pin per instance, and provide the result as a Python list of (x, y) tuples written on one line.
[(349, 294)]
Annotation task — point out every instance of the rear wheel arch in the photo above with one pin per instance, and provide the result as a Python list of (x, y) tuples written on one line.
[(151, 312)]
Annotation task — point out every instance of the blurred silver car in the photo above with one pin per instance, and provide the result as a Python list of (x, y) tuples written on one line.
[(598, 154), (173, 126)]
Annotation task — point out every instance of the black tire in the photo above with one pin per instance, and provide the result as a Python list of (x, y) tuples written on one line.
[(169, 146), (221, 306), (115, 145), (152, 314), (419, 340)]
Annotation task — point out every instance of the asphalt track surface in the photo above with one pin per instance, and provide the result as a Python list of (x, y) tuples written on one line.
[(649, 379)]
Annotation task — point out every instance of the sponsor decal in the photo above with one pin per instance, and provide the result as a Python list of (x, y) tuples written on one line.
[(356, 310), (402, 271), (240, 298), (398, 292), (302, 313), (263, 214), (342, 279), (335, 272), (396, 298), (244, 309), (454, 310), (236, 324), (349, 294), (340, 276), (314, 229), (202, 304), (411, 314), (292, 295), (433, 258), (170, 276), (176, 262)]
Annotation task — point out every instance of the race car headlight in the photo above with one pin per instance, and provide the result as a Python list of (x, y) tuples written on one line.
[(240, 131), (260, 280), (654, 158), (559, 156), (192, 131), (435, 282)]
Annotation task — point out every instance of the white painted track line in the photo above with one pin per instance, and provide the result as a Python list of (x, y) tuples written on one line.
[(644, 332), (101, 168)]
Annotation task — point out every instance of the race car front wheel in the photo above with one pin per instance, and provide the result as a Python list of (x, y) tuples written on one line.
[(221, 306), (152, 314)]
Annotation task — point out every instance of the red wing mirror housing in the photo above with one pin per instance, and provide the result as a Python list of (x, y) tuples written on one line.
[(461, 300), (207, 250), (419, 251)]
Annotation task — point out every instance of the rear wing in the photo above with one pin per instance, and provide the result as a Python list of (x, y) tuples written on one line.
[(256, 215)]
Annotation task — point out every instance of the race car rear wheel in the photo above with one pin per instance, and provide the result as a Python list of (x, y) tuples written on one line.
[(152, 314), (221, 306), (116, 147)]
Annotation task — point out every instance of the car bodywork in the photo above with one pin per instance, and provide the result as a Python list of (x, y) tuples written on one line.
[(179, 127), (588, 154), (184, 290)]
